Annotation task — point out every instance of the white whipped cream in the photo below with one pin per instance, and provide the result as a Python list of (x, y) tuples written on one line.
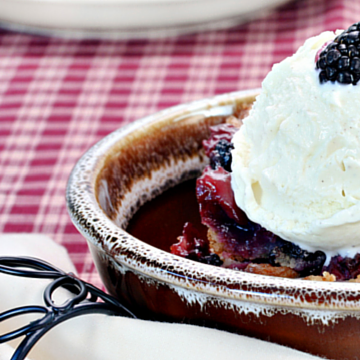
[(296, 162)]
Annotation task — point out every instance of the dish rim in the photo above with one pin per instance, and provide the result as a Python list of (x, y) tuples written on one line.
[(147, 260)]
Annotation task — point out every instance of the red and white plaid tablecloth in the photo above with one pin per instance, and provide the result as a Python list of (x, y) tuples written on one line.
[(59, 97)]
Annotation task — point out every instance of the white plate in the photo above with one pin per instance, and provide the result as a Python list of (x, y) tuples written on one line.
[(127, 18)]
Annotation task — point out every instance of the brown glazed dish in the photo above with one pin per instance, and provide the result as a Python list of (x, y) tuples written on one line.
[(138, 162)]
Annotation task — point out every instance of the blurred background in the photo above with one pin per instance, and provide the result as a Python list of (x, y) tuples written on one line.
[(73, 71)]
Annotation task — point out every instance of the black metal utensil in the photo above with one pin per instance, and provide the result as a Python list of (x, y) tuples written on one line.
[(87, 299)]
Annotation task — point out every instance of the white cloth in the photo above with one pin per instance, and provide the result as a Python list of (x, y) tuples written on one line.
[(100, 337)]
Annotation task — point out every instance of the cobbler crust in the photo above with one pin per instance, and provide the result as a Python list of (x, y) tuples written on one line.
[(325, 277)]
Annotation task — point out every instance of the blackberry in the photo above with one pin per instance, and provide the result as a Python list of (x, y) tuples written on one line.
[(344, 268), (302, 261), (212, 259), (221, 155), (340, 60)]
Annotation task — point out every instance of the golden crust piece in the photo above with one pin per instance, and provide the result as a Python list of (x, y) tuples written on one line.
[(218, 248), (325, 277), (241, 110), (214, 245), (234, 121), (357, 280), (267, 269)]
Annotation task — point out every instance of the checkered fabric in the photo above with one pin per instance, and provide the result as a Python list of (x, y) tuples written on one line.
[(59, 97)]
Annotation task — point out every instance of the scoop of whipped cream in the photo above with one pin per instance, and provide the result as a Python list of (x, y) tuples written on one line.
[(296, 159)]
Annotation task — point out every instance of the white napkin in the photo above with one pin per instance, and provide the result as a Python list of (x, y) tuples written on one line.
[(100, 337)]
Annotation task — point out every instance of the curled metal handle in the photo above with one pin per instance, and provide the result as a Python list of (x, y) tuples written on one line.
[(29, 267), (67, 282), (87, 299), (34, 325)]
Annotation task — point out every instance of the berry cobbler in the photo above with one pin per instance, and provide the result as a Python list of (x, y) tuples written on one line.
[(281, 193)]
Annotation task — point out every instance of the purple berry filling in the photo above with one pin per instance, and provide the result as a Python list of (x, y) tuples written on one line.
[(240, 238)]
